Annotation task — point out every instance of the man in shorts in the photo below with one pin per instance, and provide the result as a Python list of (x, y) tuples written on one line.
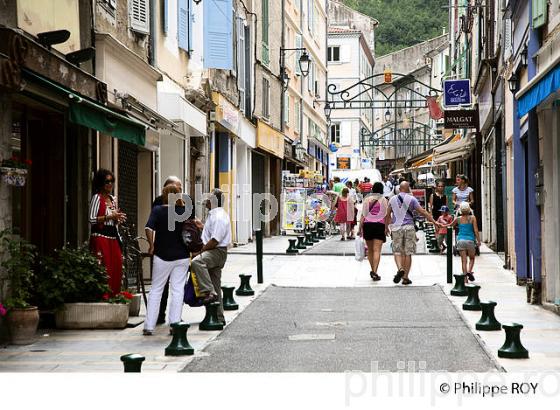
[(403, 232)]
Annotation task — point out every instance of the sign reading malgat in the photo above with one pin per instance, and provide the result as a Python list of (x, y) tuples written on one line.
[(461, 119)]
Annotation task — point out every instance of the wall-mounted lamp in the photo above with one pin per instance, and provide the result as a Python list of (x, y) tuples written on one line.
[(524, 57), (513, 83)]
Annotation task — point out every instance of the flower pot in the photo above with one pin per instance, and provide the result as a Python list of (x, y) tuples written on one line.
[(22, 325), (13, 176), (92, 316), (135, 304)]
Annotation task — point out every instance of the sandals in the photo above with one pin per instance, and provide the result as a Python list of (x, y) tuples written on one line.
[(470, 276), (147, 332), (398, 276), (374, 276), (406, 281)]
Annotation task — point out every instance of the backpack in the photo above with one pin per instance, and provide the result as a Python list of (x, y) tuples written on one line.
[(192, 237)]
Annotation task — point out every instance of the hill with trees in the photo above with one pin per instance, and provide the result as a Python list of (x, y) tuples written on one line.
[(403, 23)]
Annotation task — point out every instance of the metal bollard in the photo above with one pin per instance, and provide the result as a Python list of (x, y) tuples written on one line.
[(132, 362), (488, 319), (513, 348), (473, 302), (449, 255), (308, 241), (314, 237), (228, 300), (301, 243), (245, 286), (259, 239), (179, 345), (459, 289), (210, 321), (292, 249)]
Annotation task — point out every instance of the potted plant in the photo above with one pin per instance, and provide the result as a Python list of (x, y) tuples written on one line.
[(18, 258), (14, 170), (74, 283)]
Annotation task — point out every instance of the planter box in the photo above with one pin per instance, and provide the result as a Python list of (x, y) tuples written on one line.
[(135, 304), (92, 316)]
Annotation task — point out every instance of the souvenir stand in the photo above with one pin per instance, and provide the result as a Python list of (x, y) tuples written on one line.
[(301, 203)]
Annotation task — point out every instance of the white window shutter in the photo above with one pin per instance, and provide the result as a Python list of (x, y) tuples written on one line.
[(344, 53), (345, 133), (139, 12)]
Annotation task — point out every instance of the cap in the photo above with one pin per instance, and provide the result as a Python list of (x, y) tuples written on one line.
[(444, 209)]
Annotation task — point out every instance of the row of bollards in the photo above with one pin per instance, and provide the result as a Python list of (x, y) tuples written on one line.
[(308, 239), (179, 345), (431, 239), (512, 347)]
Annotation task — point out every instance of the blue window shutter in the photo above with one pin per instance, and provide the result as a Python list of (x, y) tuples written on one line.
[(182, 24), (190, 24), (164, 16), (218, 34)]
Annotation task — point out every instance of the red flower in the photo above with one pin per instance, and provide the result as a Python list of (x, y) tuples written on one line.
[(127, 295), (106, 296), (28, 162)]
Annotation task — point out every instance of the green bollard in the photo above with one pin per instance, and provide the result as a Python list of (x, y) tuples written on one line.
[(179, 345), (228, 300), (314, 238), (301, 243), (292, 250), (473, 302), (459, 288), (449, 244), (308, 241), (245, 287), (512, 348), (488, 319), (132, 362), (321, 234), (210, 321)]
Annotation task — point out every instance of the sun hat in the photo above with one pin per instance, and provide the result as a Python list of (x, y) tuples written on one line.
[(444, 209), (465, 207)]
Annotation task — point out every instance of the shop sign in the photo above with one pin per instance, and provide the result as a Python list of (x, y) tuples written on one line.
[(226, 113), (457, 119), (457, 93), (270, 140), (343, 162)]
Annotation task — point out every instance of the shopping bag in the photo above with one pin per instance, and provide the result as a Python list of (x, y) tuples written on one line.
[(190, 297), (360, 249)]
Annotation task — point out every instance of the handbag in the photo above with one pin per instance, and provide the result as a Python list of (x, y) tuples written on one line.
[(190, 297)]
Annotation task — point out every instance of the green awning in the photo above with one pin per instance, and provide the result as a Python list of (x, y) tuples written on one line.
[(93, 115)]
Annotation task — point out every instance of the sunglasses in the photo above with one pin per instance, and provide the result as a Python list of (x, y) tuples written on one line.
[(109, 181)]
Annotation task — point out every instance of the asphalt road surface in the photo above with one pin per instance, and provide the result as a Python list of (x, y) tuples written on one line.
[(338, 329)]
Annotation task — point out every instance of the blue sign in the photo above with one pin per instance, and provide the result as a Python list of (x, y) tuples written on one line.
[(457, 92)]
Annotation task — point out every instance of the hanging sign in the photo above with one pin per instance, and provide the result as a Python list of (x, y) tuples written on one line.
[(458, 119), (456, 93)]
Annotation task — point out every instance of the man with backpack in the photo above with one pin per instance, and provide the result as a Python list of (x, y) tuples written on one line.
[(207, 265), (403, 230)]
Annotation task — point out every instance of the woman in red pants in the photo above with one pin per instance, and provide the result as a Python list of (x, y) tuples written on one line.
[(104, 217)]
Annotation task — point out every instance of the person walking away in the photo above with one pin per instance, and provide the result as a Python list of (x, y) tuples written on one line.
[(207, 265), (444, 220), (365, 187), (338, 186), (463, 193), (104, 217), (387, 187), (468, 239), (344, 213), (372, 227), (437, 199), (171, 259), (403, 232), (171, 180), (353, 195)]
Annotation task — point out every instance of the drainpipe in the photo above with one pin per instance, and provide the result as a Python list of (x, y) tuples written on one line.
[(152, 53), (282, 68)]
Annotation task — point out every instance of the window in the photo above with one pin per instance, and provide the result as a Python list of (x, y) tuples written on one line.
[(299, 44), (184, 24), (265, 98), (265, 23), (334, 53), (241, 62), (139, 15), (297, 110), (335, 133), (109, 5), (287, 109)]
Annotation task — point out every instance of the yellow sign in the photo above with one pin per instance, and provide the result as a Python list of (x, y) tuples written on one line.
[(270, 140), (388, 75)]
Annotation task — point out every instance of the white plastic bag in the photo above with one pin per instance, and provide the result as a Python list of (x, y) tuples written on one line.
[(360, 249)]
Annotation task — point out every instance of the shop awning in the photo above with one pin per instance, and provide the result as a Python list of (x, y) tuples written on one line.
[(454, 151), (93, 115), (423, 162), (537, 91)]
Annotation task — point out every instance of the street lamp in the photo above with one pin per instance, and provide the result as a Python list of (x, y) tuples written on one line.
[(328, 111), (524, 57), (304, 63), (300, 151), (387, 116), (285, 78), (513, 83)]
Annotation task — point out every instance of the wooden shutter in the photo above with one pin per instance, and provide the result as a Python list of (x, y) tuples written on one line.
[(182, 24), (241, 62), (190, 21), (345, 133), (299, 44), (218, 34), (139, 13), (540, 13), (265, 23)]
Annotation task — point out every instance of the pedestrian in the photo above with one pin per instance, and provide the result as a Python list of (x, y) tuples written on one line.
[(171, 258), (171, 180), (437, 199), (387, 187), (468, 239), (365, 187), (352, 194), (373, 226), (402, 229), (396, 190), (463, 192), (105, 217), (444, 219), (338, 186), (344, 214), (207, 265)]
